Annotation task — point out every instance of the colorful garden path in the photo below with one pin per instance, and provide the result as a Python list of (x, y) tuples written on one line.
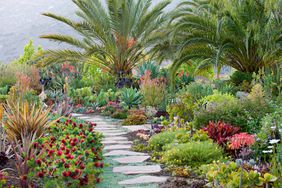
[(126, 168)]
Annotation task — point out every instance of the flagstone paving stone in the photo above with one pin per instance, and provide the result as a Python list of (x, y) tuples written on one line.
[(132, 159), (127, 169), (144, 180), (116, 142), (114, 134), (115, 138), (105, 129), (133, 128), (123, 153), (149, 169), (110, 131), (117, 147)]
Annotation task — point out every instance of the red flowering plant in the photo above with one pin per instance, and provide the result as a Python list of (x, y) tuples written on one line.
[(221, 132), (240, 144), (241, 140), (68, 69), (72, 155)]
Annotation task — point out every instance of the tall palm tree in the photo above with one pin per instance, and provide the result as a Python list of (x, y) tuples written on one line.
[(115, 36), (244, 34)]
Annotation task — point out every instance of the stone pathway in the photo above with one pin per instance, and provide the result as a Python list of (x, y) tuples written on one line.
[(127, 169)]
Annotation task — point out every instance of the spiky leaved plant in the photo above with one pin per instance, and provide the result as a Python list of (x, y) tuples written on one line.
[(24, 118), (130, 97), (245, 34), (115, 36)]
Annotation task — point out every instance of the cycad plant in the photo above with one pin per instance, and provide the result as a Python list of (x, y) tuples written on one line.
[(244, 34), (113, 36)]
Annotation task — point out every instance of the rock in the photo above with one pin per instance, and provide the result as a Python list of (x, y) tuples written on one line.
[(132, 159), (76, 115), (242, 95), (117, 147), (123, 153), (144, 180), (133, 128), (115, 138), (150, 169), (109, 131), (105, 128), (116, 142), (113, 134)]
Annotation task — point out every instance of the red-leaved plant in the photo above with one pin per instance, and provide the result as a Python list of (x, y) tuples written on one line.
[(221, 132)]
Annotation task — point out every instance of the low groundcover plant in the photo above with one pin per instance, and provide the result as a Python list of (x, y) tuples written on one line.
[(72, 155)]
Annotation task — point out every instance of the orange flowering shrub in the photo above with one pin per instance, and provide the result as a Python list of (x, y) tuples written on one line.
[(241, 140), (23, 82), (153, 90)]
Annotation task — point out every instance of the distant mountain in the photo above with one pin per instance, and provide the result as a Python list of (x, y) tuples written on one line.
[(21, 20)]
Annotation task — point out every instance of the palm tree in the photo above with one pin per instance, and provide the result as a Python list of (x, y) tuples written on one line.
[(115, 37), (244, 34)]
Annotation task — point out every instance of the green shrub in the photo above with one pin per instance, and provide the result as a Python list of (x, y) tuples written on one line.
[(230, 174), (120, 114), (197, 91), (108, 110), (130, 97), (269, 123), (135, 119), (31, 97), (80, 96), (3, 98), (188, 97), (199, 135), (179, 110), (111, 95), (94, 76), (84, 92), (238, 77), (224, 86), (4, 90), (193, 154), (246, 115), (217, 100), (102, 99), (8, 73), (158, 141)]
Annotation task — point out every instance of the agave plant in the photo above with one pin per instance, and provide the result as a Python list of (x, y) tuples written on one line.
[(22, 118), (130, 97)]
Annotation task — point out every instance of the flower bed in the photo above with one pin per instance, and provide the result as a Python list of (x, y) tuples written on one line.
[(70, 155)]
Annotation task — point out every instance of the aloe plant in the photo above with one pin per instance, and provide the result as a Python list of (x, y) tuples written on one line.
[(148, 66), (130, 97)]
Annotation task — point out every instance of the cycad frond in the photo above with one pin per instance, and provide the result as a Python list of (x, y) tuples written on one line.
[(115, 34)]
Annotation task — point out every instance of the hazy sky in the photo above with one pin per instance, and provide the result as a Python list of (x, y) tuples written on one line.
[(21, 20)]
